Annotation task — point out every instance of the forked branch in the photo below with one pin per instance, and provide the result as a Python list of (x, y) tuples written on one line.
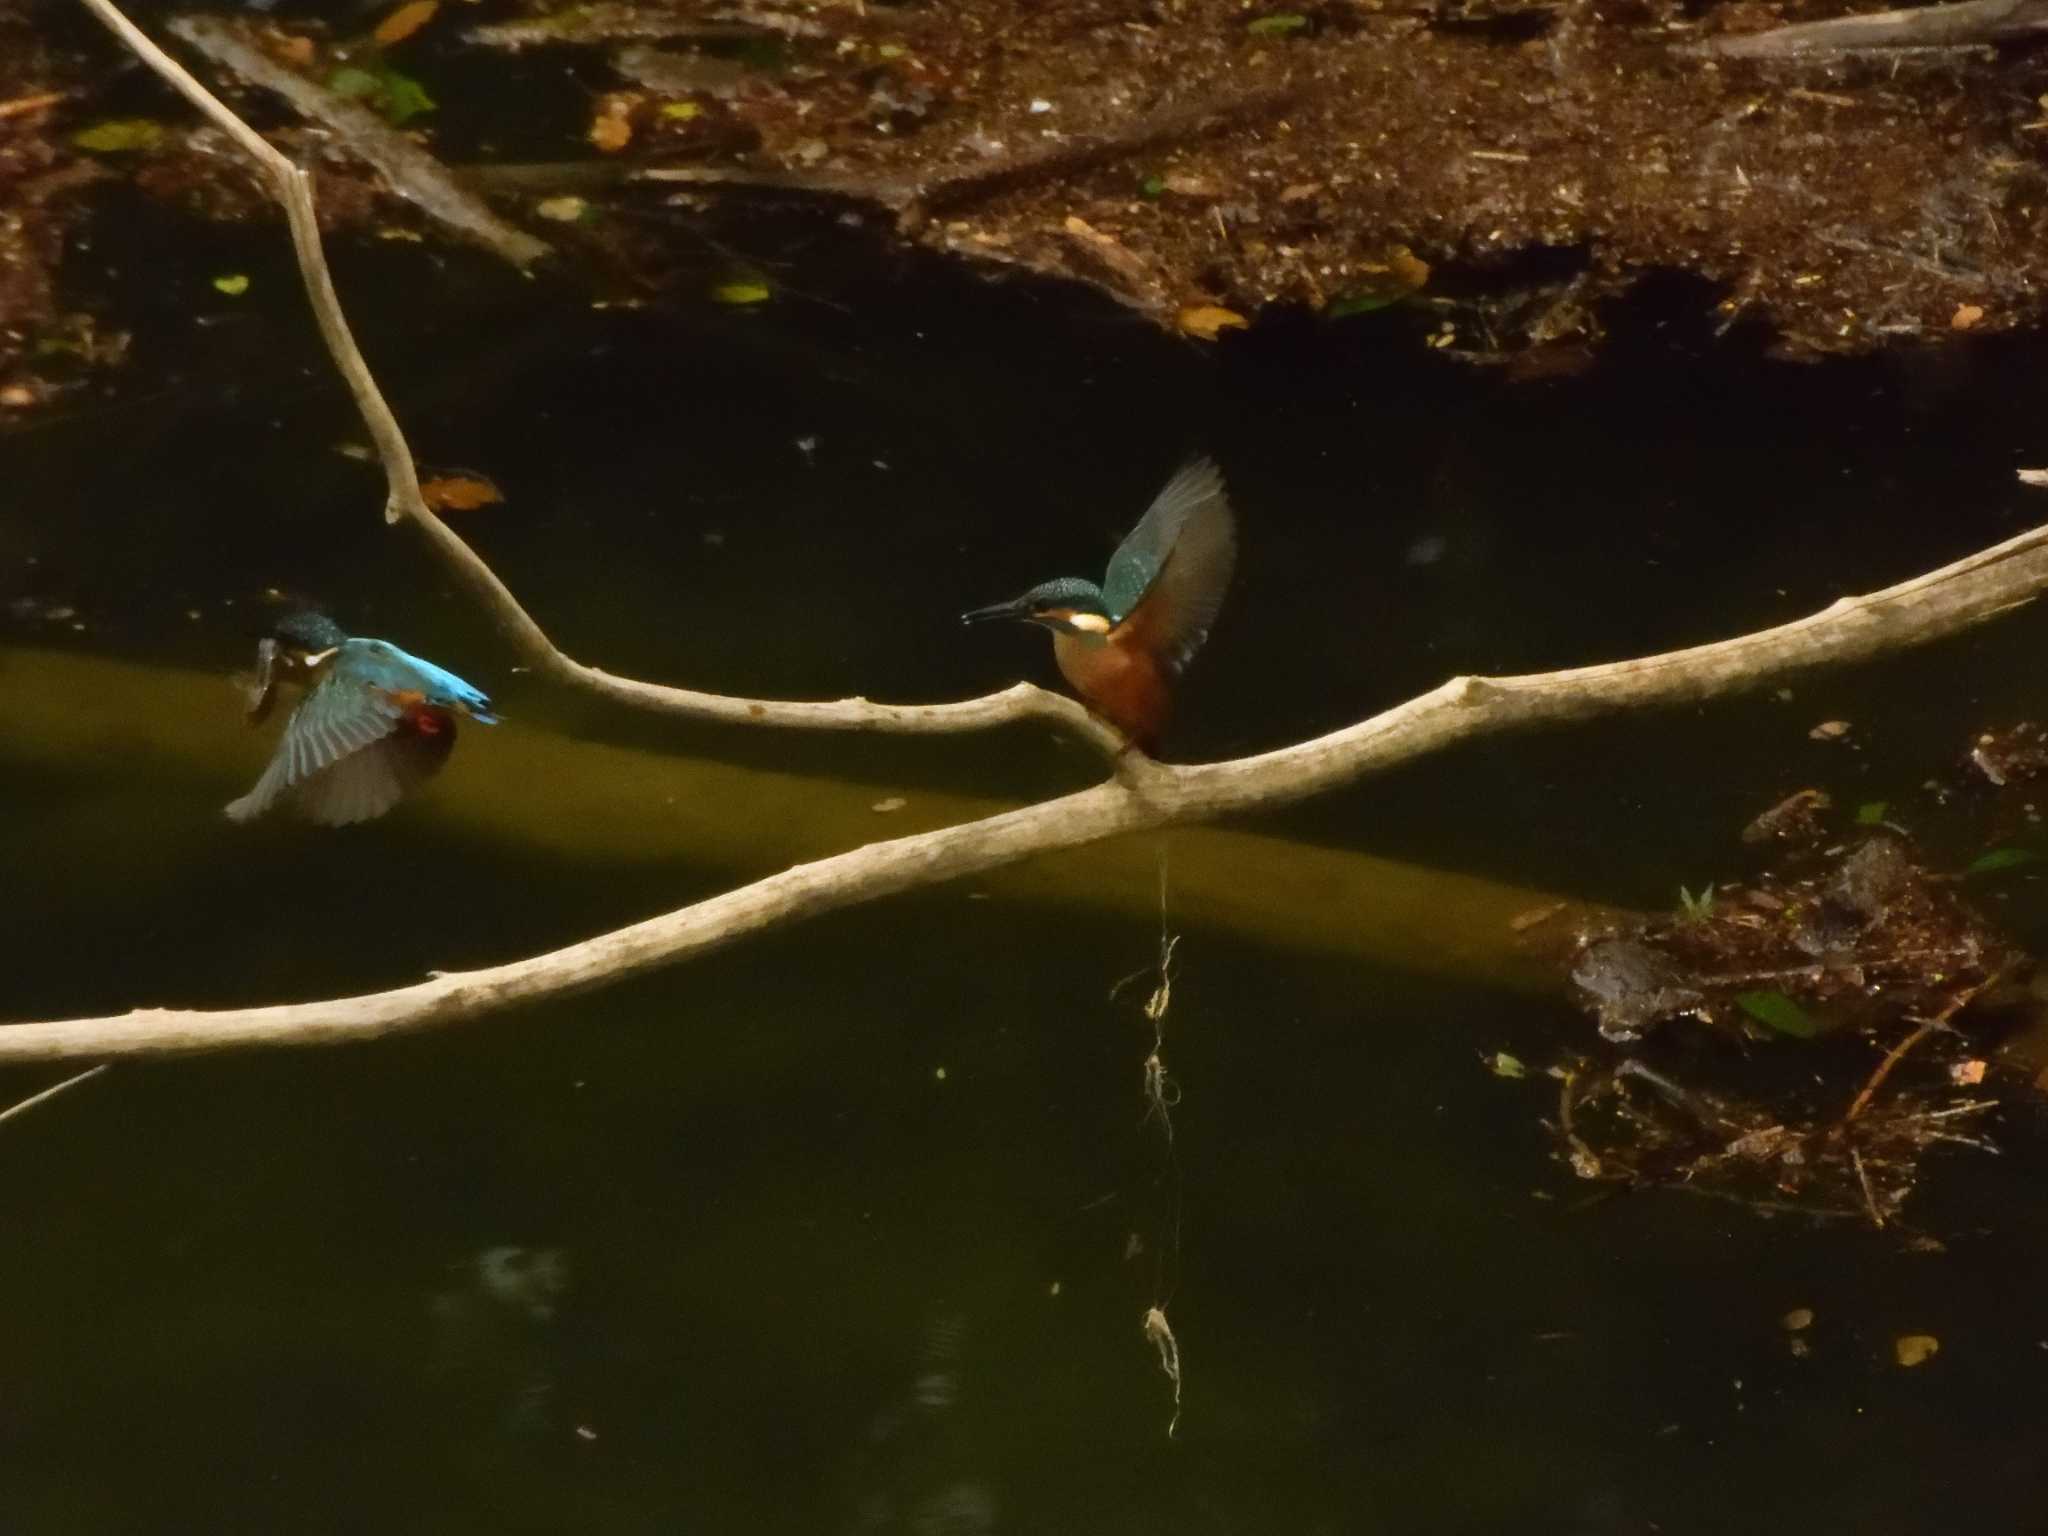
[(1144, 795), (293, 187), (1149, 795)]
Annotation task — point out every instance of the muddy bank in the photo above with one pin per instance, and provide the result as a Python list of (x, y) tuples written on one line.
[(1505, 168)]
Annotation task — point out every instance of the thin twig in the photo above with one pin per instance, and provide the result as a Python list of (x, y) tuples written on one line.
[(1142, 795), (293, 187), (1966, 24), (1869, 1195), (1904, 1048), (34, 1099)]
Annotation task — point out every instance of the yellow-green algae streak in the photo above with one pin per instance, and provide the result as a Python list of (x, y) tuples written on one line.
[(170, 732)]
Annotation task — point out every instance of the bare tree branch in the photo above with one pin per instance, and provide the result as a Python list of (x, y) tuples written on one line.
[(1144, 795), (1965, 24), (1147, 795), (293, 187)]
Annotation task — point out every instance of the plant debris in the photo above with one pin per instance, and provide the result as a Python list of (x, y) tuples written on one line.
[(1856, 947)]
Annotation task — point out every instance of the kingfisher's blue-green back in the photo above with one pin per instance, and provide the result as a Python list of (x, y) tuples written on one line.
[(376, 724)]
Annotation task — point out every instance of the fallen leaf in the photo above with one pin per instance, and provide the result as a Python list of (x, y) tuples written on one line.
[(120, 136), (1180, 184), (1276, 26), (1501, 1064), (611, 130), (1829, 730), (233, 284), (1797, 1320), (681, 111), (290, 48), (461, 492), (893, 803), (403, 22), (1913, 1349), (1966, 315), (1301, 191), (1966, 1074), (1779, 1012), (395, 97), (1388, 281), (15, 396), (2034, 477), (743, 290), (1521, 922), (563, 210), (2001, 858), (1207, 321)]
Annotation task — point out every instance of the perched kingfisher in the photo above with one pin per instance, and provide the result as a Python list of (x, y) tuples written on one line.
[(1123, 644), (375, 722)]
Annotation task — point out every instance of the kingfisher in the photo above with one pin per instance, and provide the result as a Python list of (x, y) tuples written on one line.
[(1124, 644), (375, 723)]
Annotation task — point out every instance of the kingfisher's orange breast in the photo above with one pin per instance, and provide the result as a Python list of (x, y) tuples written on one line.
[(1121, 683)]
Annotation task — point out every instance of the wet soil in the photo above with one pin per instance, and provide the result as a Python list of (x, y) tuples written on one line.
[(1506, 168)]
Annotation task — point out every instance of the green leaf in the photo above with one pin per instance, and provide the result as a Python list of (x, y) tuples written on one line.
[(1276, 26), (1153, 186), (1360, 304), (681, 111), (743, 290), (2001, 858), (1778, 1012), (397, 98), (1501, 1064), (233, 284), (120, 136), (404, 98), (1871, 813), (353, 82)]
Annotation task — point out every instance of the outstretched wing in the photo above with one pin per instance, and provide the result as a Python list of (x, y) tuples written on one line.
[(1166, 583), (1142, 555), (342, 715), (366, 784)]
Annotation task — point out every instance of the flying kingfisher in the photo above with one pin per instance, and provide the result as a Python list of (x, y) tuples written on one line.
[(1123, 644), (375, 722)]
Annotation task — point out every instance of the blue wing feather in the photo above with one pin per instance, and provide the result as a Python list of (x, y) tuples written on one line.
[(1197, 488), (1186, 546), (343, 757)]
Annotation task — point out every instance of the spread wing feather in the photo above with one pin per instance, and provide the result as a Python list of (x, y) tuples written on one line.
[(341, 716), (1195, 492), (1192, 532)]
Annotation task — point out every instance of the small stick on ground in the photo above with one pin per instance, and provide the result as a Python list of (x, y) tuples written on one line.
[(34, 1099), (1969, 24), (1869, 1195), (1899, 1052), (913, 200)]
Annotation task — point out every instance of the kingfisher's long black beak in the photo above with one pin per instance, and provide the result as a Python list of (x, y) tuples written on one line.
[(1014, 609)]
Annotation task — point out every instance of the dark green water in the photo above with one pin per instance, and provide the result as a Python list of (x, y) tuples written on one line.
[(722, 1250)]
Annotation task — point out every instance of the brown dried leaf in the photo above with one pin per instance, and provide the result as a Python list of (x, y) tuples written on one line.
[(1966, 315), (611, 130), (403, 22), (460, 493), (1913, 1349), (1207, 321)]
